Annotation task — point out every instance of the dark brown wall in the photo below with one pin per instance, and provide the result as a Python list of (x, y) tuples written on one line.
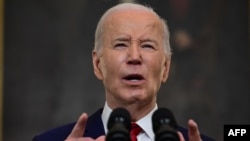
[(49, 80)]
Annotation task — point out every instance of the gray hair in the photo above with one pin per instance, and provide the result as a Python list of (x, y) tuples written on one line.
[(131, 6)]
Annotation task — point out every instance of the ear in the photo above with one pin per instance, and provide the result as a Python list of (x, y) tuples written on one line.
[(166, 69), (96, 65)]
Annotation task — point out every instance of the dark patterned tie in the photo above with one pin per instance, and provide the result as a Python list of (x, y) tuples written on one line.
[(135, 130)]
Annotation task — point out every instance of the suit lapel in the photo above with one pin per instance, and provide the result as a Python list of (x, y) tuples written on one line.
[(94, 127)]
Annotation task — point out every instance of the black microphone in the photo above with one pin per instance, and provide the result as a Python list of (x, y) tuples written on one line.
[(164, 125), (119, 125)]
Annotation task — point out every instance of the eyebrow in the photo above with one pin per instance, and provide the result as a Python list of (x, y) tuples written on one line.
[(123, 38), (148, 40)]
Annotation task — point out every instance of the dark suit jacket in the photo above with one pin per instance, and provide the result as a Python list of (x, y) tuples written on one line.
[(94, 129)]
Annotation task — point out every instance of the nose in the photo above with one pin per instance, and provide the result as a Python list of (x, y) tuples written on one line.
[(134, 55)]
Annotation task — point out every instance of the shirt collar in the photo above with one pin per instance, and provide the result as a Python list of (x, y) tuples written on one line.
[(145, 123), (105, 116)]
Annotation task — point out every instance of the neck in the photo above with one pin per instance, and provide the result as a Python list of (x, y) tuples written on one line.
[(137, 109)]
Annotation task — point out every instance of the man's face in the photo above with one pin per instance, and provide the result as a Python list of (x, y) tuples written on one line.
[(132, 62)]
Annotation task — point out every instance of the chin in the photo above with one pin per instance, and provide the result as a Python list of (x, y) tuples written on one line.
[(133, 95), (138, 97)]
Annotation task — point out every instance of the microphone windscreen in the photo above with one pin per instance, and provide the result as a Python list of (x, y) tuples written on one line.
[(119, 115), (163, 116)]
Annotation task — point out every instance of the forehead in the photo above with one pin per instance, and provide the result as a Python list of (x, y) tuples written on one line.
[(133, 21)]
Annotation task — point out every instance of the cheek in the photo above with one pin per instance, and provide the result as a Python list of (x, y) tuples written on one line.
[(156, 68), (112, 64)]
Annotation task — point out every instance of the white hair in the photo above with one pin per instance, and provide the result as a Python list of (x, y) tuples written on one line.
[(131, 6)]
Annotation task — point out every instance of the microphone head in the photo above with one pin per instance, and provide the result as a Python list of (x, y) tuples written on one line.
[(164, 125), (119, 125), (119, 115), (163, 116)]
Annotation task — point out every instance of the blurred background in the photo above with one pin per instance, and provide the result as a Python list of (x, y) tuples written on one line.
[(48, 74)]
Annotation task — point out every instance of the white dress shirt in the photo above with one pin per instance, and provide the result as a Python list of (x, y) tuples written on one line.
[(145, 123)]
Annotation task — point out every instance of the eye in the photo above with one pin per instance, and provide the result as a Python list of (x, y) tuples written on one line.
[(148, 46), (120, 45)]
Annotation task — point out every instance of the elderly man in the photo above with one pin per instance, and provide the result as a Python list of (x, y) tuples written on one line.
[(132, 57)]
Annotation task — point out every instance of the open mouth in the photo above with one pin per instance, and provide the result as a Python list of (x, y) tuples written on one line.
[(134, 77)]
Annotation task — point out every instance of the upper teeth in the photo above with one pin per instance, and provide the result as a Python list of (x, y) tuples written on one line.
[(134, 80)]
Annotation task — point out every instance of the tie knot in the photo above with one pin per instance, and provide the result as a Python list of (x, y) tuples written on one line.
[(134, 131)]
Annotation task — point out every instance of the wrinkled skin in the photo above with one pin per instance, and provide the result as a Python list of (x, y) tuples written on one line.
[(132, 65)]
